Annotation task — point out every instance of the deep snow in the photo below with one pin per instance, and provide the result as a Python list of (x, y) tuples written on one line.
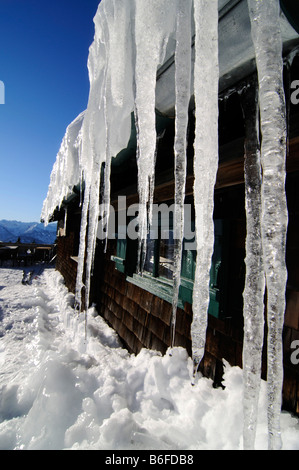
[(60, 391)]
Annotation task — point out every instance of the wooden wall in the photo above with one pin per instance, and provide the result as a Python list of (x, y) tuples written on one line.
[(65, 264), (67, 249)]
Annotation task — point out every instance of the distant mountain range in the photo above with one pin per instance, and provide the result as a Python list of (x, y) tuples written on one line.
[(27, 232)]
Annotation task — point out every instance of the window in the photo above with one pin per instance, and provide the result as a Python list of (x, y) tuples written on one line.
[(166, 255), (159, 264), (150, 264), (120, 258), (160, 252)]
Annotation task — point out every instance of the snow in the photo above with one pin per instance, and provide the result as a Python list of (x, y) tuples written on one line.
[(59, 391)]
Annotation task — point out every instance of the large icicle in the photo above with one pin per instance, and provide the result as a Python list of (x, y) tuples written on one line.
[(206, 78), (255, 279), (182, 91), (153, 25), (99, 117), (267, 41), (94, 113), (118, 94), (110, 101)]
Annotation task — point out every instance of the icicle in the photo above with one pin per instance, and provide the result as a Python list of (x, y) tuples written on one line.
[(108, 158), (65, 219), (81, 184), (182, 90), (255, 280), (267, 41), (93, 217), (206, 77), (117, 87), (146, 65), (98, 116), (88, 159), (153, 24), (89, 211), (82, 246), (107, 188), (110, 101)]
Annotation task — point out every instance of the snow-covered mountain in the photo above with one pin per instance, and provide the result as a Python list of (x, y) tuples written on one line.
[(27, 232)]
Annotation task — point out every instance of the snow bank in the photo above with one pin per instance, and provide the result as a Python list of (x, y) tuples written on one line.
[(60, 391)]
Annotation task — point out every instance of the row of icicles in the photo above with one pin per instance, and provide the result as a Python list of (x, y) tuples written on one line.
[(265, 198)]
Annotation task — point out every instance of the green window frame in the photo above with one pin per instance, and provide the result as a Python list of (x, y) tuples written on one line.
[(120, 258)]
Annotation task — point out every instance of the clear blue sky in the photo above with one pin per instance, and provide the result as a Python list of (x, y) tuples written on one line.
[(43, 64)]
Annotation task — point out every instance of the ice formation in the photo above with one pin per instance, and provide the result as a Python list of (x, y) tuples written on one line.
[(66, 170), (266, 35), (110, 100), (132, 39), (205, 163), (182, 92), (153, 25), (253, 310)]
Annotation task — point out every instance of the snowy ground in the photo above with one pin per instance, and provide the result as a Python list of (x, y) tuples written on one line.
[(58, 391)]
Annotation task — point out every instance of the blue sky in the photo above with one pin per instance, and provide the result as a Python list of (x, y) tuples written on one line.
[(43, 65)]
